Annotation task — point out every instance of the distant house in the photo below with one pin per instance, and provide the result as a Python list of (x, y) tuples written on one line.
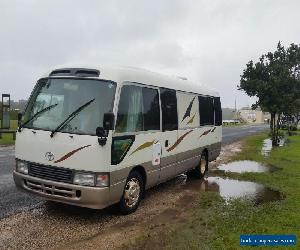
[(254, 116), (230, 116), (230, 122)]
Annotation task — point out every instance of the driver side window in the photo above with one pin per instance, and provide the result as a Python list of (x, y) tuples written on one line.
[(138, 109)]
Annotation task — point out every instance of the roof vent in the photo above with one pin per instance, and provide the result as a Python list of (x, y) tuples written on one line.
[(76, 72), (60, 72), (87, 72)]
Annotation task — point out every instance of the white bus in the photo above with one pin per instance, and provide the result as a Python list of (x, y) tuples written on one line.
[(96, 136)]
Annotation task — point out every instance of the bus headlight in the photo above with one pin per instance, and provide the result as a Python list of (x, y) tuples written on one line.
[(91, 179), (84, 179), (22, 167)]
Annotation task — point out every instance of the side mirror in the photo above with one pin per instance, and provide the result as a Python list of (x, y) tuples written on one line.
[(108, 121), (101, 133)]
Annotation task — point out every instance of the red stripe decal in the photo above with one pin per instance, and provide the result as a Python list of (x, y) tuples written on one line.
[(178, 141), (204, 133), (66, 156)]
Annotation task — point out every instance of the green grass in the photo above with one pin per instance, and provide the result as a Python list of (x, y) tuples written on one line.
[(234, 124), (211, 224), (7, 139)]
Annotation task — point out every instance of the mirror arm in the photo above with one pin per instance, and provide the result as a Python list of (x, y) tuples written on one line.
[(102, 141)]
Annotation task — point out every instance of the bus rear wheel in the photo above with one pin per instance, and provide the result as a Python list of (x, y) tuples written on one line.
[(201, 168), (132, 194)]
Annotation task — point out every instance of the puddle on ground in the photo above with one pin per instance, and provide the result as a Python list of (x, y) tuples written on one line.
[(229, 189), (232, 189), (245, 166), (267, 146)]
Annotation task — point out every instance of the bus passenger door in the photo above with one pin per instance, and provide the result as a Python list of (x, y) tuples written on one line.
[(137, 132), (168, 137)]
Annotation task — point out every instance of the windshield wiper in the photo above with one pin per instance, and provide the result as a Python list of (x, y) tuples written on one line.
[(70, 117), (36, 115)]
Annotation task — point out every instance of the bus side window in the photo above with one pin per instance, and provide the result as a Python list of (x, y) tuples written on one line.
[(151, 112), (169, 109), (218, 111), (206, 110), (138, 109)]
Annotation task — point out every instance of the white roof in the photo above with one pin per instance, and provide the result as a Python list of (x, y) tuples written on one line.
[(121, 74)]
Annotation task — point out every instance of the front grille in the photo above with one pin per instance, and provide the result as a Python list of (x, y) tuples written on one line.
[(51, 173), (51, 189)]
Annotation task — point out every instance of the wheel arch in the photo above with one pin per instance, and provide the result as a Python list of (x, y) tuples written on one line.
[(141, 170), (205, 151)]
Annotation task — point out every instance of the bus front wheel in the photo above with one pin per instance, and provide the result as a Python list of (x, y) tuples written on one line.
[(132, 194)]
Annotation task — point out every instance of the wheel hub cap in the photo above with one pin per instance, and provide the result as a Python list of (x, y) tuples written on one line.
[(203, 166), (132, 192)]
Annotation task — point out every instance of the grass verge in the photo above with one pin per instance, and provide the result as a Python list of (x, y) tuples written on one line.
[(212, 224), (233, 124), (7, 139)]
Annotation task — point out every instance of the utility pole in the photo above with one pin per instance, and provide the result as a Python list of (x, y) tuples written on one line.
[(235, 104), (235, 111)]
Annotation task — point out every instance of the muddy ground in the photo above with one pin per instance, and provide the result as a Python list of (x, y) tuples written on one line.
[(57, 226)]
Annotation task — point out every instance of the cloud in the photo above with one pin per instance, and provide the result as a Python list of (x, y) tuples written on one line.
[(209, 42)]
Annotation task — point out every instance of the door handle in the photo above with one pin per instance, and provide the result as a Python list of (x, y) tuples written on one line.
[(166, 143)]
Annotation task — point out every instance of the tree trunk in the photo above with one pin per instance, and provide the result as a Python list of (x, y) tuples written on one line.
[(277, 130), (274, 129), (289, 125), (271, 122)]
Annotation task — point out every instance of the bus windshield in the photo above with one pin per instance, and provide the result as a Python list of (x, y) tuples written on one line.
[(64, 95)]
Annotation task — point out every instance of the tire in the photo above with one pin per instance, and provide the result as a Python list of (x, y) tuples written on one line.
[(132, 194), (201, 169)]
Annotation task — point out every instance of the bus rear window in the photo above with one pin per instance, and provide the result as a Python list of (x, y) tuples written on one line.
[(206, 110)]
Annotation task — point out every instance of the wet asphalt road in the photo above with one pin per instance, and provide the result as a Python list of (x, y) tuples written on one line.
[(13, 201), (232, 134)]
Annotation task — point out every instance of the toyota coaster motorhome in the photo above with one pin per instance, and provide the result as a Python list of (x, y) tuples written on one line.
[(95, 136)]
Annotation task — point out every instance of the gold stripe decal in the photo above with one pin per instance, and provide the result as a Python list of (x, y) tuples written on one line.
[(66, 156), (191, 120), (178, 141), (143, 146)]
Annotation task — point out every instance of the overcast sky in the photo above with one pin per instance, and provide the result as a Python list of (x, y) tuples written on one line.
[(208, 42)]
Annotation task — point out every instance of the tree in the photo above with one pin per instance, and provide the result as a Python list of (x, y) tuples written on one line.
[(275, 81)]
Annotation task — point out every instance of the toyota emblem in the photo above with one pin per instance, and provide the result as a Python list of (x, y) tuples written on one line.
[(49, 156)]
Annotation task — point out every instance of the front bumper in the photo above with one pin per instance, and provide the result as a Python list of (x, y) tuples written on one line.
[(92, 197)]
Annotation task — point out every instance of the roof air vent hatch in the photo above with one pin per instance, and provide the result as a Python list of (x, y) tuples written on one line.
[(79, 72)]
